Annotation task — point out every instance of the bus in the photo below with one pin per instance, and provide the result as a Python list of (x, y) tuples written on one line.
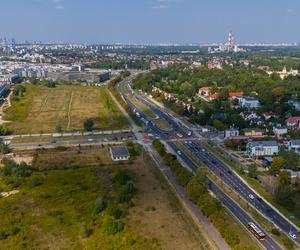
[(256, 231)]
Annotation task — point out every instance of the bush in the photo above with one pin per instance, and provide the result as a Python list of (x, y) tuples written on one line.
[(3, 235), (121, 177), (195, 189), (129, 187), (100, 204), (88, 125), (112, 226), (275, 231), (85, 231), (4, 130), (36, 181), (11, 168), (124, 196)]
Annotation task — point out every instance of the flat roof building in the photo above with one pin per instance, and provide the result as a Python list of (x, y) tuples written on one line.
[(119, 153)]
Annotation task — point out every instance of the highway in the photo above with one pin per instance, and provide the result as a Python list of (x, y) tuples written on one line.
[(235, 182), (215, 165), (234, 208)]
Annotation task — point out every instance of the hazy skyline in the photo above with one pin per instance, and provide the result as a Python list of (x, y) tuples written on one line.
[(150, 21)]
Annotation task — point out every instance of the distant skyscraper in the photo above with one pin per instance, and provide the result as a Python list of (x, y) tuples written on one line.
[(230, 43)]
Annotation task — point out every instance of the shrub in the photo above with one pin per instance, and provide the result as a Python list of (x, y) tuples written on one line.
[(121, 177), (35, 182), (85, 231), (100, 204), (11, 168), (275, 231), (112, 226), (88, 124), (124, 196), (3, 235)]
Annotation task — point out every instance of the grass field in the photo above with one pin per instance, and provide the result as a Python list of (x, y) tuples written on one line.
[(55, 204), (42, 109)]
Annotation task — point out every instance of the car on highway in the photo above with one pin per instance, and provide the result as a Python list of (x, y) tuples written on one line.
[(251, 196), (259, 199), (292, 235), (221, 174), (179, 152)]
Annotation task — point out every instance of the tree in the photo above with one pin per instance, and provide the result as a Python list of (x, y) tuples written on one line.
[(284, 196), (4, 148), (298, 186), (88, 124), (195, 189), (291, 160), (276, 165), (252, 171), (19, 91), (4, 130), (201, 177), (284, 178), (218, 124)]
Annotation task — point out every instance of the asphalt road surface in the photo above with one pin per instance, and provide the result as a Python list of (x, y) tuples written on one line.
[(243, 217)]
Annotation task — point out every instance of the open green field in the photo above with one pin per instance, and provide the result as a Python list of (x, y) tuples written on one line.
[(42, 109), (57, 206)]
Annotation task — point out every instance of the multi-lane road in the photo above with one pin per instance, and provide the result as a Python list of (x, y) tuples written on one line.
[(234, 181), (218, 167), (243, 217)]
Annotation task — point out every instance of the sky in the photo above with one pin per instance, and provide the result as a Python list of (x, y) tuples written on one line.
[(150, 21)]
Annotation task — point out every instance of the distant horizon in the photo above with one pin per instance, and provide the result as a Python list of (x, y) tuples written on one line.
[(150, 21), (26, 41)]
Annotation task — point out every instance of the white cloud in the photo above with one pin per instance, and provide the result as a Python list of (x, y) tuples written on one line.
[(59, 7), (160, 7)]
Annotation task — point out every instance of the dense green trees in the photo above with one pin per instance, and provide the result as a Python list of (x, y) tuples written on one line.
[(13, 169), (276, 165), (184, 83), (88, 124), (284, 196)]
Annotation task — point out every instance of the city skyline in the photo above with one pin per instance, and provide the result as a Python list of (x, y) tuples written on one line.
[(150, 22)]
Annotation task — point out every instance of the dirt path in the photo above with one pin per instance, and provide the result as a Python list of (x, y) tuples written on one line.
[(70, 109), (44, 103), (5, 105)]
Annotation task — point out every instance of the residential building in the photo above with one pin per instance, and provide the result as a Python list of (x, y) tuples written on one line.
[(235, 95), (284, 73), (252, 132), (280, 131), (204, 91), (295, 104), (262, 148), (293, 122), (229, 133), (294, 145), (119, 153), (248, 102)]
